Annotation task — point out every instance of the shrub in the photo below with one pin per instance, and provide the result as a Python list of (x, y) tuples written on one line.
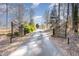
[(37, 25), (28, 28), (16, 34), (33, 27)]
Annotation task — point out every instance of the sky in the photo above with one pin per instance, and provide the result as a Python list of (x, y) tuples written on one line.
[(39, 11), (39, 8)]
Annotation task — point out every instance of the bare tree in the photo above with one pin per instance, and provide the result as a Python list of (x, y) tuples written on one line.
[(20, 12), (75, 16), (46, 17), (67, 20), (53, 16), (6, 15), (31, 14), (3, 13)]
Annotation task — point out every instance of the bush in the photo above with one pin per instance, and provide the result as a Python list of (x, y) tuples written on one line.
[(37, 26), (32, 27), (28, 28), (16, 34)]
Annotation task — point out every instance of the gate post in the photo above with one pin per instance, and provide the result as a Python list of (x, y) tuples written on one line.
[(11, 32), (21, 30), (68, 41), (53, 32)]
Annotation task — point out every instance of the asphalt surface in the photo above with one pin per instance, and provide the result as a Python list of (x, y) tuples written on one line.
[(38, 45)]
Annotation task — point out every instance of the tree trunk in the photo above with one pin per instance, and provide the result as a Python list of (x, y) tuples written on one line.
[(67, 20), (75, 17), (6, 15)]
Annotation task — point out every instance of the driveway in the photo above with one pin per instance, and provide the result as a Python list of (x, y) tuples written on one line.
[(38, 45)]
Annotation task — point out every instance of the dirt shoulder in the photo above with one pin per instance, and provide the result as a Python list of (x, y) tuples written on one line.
[(71, 49), (6, 47)]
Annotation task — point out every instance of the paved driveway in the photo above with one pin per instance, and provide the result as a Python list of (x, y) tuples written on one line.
[(38, 45)]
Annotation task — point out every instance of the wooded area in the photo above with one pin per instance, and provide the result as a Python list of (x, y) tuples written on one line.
[(61, 20)]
